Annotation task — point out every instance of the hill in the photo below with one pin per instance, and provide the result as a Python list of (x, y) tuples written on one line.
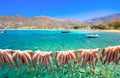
[(115, 24), (103, 19), (39, 22), (45, 22)]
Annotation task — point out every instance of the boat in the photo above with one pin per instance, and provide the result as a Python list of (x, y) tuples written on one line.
[(92, 36), (2, 31), (65, 31)]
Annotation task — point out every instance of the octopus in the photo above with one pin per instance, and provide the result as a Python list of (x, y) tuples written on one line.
[(42, 57), (66, 57), (10, 57), (111, 54), (6, 58), (21, 57), (88, 56), (29, 54)]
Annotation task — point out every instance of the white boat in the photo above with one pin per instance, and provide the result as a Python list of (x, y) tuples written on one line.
[(92, 36)]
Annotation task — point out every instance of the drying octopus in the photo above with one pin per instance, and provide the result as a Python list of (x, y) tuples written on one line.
[(66, 57), (88, 56), (111, 54), (42, 57), (6, 58), (22, 57)]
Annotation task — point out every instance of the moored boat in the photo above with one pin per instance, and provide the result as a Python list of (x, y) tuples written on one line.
[(92, 36), (2, 31), (65, 31)]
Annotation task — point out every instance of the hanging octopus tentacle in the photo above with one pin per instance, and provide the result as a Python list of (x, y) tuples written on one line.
[(28, 54), (14, 59), (56, 58), (70, 58), (25, 60), (76, 55), (85, 58), (111, 57), (64, 58), (92, 61), (108, 53), (33, 59), (46, 63), (81, 56), (50, 59), (95, 53), (102, 55), (61, 59)]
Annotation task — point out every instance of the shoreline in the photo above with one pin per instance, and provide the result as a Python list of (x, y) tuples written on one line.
[(110, 30), (94, 30)]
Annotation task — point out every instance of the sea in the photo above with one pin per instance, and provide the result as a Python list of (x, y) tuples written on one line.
[(52, 40)]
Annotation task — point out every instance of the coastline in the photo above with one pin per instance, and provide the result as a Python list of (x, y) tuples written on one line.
[(110, 30), (94, 30)]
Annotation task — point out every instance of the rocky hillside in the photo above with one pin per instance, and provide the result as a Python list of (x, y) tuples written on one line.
[(11, 22), (104, 19)]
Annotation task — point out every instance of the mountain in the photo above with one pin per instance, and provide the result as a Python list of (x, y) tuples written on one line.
[(38, 22), (103, 19)]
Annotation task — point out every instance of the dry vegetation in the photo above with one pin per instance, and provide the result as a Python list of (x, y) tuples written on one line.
[(40, 22)]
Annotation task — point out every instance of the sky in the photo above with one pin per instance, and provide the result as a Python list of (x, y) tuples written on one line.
[(75, 9)]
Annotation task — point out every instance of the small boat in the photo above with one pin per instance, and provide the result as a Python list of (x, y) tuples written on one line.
[(2, 31), (92, 36), (65, 31)]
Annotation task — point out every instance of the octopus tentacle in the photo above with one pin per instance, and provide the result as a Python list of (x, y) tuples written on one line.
[(33, 59), (92, 61), (84, 59), (64, 58), (61, 59), (12, 60), (27, 54), (108, 53), (56, 58), (46, 63), (112, 53), (81, 56), (26, 60), (96, 56), (50, 59), (102, 55), (73, 56), (70, 62), (76, 55)]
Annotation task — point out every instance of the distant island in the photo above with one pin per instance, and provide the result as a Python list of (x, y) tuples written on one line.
[(109, 22)]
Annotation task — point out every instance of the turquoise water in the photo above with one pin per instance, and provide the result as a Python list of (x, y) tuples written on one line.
[(54, 40)]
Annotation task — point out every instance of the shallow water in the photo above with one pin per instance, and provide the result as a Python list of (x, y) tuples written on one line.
[(54, 40)]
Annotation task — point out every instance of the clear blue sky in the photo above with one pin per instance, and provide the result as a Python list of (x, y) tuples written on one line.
[(76, 9)]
